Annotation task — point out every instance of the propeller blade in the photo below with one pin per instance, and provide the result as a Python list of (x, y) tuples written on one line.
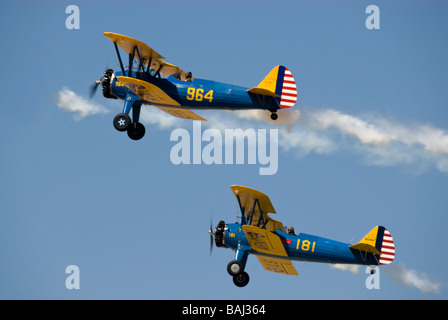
[(93, 89), (211, 233)]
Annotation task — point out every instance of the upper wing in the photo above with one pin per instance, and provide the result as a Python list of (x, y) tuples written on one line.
[(145, 54), (168, 69), (128, 44), (182, 113), (255, 206), (277, 265), (147, 91)]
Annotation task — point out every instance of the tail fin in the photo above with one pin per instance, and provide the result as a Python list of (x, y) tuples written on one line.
[(380, 242), (278, 83)]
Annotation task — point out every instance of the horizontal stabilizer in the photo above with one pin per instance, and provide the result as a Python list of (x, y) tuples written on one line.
[(364, 247), (263, 92)]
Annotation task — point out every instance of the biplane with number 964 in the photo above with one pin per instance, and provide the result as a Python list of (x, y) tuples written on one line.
[(147, 79), (275, 246)]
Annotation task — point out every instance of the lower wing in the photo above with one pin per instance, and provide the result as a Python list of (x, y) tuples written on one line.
[(277, 265)]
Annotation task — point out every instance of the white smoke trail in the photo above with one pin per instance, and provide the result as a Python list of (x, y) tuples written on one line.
[(353, 268), (69, 101), (412, 278), (401, 275), (380, 142)]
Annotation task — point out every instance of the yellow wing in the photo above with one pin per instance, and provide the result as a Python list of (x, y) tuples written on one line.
[(146, 54), (153, 94), (256, 205), (182, 113), (127, 44), (264, 241), (278, 265), (147, 91), (168, 69)]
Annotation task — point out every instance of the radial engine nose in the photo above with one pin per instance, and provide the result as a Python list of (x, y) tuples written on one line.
[(219, 234), (106, 83)]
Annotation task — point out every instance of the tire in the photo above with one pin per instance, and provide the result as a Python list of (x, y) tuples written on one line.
[(241, 280), (122, 122), (235, 268), (274, 116), (136, 131)]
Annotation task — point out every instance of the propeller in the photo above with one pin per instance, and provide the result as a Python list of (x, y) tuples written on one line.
[(211, 233), (94, 87), (104, 81), (217, 236)]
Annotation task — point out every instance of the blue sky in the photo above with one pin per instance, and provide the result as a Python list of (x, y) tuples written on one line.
[(368, 146)]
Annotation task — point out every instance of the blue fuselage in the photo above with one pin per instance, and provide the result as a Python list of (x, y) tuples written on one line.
[(303, 247), (200, 93)]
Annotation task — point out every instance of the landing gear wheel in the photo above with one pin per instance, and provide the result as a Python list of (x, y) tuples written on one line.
[(241, 280), (235, 268), (122, 122), (136, 131), (274, 116)]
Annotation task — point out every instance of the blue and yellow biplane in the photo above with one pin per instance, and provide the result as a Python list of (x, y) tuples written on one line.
[(275, 246), (147, 79)]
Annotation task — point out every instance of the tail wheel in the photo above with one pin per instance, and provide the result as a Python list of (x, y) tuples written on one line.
[(274, 116), (122, 122), (241, 280), (136, 131)]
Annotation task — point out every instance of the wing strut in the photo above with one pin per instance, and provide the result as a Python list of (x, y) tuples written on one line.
[(243, 214), (119, 58), (257, 202), (131, 62)]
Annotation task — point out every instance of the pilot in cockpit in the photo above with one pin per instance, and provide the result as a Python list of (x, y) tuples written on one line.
[(291, 231), (188, 76)]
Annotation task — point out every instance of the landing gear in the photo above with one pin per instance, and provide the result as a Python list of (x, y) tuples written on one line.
[(136, 131), (274, 116), (241, 280), (122, 122), (236, 269)]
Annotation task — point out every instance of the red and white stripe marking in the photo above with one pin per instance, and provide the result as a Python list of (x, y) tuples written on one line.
[(387, 248), (289, 91)]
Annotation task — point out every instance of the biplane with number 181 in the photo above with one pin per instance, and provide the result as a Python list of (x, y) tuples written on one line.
[(147, 79), (275, 246)]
